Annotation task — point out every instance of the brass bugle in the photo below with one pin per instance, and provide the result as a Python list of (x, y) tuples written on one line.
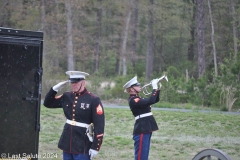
[(144, 88)]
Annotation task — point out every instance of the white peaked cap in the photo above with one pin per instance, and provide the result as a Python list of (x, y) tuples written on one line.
[(131, 82), (77, 74)]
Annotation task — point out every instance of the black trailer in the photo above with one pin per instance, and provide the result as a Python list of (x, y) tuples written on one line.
[(20, 92)]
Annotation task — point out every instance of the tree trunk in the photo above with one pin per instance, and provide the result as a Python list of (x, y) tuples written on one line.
[(118, 60), (234, 30), (192, 33), (43, 21), (124, 44), (149, 54), (43, 15), (98, 37), (54, 26), (69, 35), (238, 22), (212, 38), (6, 16), (200, 36), (134, 34), (24, 10)]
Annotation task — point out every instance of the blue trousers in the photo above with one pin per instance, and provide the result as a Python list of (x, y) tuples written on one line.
[(69, 156), (142, 146)]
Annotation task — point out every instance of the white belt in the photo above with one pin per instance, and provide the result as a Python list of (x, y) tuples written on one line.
[(74, 123), (143, 115)]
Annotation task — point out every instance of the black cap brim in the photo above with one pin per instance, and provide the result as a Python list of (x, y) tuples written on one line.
[(136, 84), (74, 80)]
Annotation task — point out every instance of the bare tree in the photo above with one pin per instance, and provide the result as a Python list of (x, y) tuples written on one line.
[(134, 34), (118, 58), (124, 44), (55, 11), (69, 35), (43, 21), (212, 38), (149, 53), (5, 15), (234, 30), (200, 37), (24, 10), (98, 37), (192, 33), (43, 15)]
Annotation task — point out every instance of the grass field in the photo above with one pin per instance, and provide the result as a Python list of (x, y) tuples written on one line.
[(181, 135)]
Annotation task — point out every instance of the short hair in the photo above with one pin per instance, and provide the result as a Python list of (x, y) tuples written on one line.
[(128, 89)]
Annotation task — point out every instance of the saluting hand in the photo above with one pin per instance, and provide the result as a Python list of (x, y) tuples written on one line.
[(59, 86)]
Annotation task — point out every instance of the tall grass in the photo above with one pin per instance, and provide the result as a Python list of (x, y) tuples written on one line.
[(181, 135)]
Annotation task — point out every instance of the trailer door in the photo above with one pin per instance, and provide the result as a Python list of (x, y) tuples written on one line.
[(20, 92)]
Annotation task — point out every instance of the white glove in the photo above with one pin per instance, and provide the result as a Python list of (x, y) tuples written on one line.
[(92, 153), (154, 83), (59, 86), (160, 85)]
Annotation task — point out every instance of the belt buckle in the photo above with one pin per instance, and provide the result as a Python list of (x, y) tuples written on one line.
[(73, 123)]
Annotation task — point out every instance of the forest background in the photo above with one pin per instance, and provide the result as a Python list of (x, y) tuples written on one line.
[(194, 42)]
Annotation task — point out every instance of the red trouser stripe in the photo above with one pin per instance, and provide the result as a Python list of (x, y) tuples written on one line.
[(140, 147)]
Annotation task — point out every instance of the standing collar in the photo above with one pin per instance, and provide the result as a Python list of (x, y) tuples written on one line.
[(80, 93), (133, 95)]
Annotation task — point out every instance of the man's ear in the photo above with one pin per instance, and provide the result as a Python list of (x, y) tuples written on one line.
[(84, 82)]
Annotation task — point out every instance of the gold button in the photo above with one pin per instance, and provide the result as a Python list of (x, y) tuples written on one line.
[(67, 105), (73, 110), (76, 97), (75, 101), (74, 105), (73, 119), (73, 114)]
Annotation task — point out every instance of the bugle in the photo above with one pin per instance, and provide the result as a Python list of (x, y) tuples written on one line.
[(144, 88)]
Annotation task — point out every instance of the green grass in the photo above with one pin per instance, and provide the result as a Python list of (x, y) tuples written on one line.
[(181, 135)]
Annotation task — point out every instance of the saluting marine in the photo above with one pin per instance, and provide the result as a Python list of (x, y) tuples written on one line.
[(145, 123), (81, 109)]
